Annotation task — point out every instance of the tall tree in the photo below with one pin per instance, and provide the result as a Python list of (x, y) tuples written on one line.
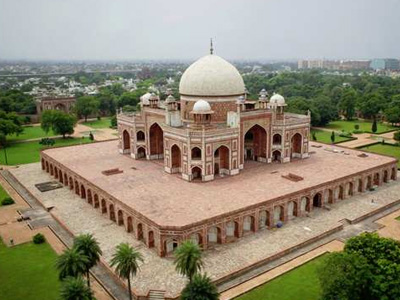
[(347, 103), (374, 127), (10, 124), (126, 262), (86, 106), (200, 288), (87, 244), (75, 289), (71, 263), (188, 261), (59, 121)]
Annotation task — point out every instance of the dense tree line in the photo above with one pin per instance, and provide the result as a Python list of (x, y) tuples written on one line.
[(331, 96), (16, 101)]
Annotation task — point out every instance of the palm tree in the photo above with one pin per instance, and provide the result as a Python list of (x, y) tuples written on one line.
[(188, 259), (126, 261), (88, 245), (200, 288), (75, 289), (71, 263)]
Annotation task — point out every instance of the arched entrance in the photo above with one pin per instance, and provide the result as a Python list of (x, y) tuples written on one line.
[(248, 224), (317, 200), (278, 214), (71, 183), (277, 139), (385, 176), (65, 179), (263, 219), (350, 189), (89, 197), (170, 245), (120, 218), (76, 187), (360, 185), (255, 144), (60, 176), (141, 153), (296, 145), (156, 142), (369, 182), (196, 238), (129, 224), (103, 206), (175, 159), (377, 179), (341, 193), (112, 213), (214, 235), (151, 239), (276, 156), (292, 209), (96, 201), (126, 141), (140, 231), (221, 160), (330, 196), (83, 192), (196, 173), (394, 173)]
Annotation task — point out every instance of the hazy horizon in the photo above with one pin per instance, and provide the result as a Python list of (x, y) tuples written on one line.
[(126, 30)]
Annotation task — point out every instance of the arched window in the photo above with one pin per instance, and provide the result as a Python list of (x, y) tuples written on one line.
[(140, 136), (196, 153)]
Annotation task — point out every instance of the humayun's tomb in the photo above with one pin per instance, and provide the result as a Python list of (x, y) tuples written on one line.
[(212, 166)]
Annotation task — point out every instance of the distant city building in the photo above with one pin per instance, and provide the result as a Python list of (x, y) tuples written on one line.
[(385, 64), (334, 64)]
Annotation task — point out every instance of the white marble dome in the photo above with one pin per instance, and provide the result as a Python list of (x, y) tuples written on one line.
[(201, 106), (211, 75), (277, 99)]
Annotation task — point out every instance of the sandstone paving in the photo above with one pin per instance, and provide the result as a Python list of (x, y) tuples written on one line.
[(159, 273)]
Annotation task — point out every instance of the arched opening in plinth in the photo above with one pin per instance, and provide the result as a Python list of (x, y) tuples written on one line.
[(248, 224), (276, 156), (317, 200), (126, 140), (369, 182), (83, 192), (278, 215), (196, 239), (386, 176), (376, 179), (120, 215), (176, 159), (140, 231), (330, 196), (255, 143), (129, 224), (360, 185), (112, 213), (156, 142), (263, 219), (296, 145), (140, 137), (277, 139), (89, 197), (141, 153), (394, 172), (103, 206), (47, 167), (221, 160), (292, 209), (350, 190), (61, 107), (71, 183), (170, 246), (76, 187), (305, 204), (96, 201), (151, 238), (66, 179), (51, 170), (196, 174), (56, 172), (43, 164), (60, 176), (214, 235), (341, 192)]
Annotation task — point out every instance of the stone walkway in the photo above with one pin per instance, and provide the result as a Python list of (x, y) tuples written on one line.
[(159, 273), (100, 134)]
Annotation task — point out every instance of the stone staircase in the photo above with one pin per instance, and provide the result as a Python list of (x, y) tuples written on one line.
[(156, 295)]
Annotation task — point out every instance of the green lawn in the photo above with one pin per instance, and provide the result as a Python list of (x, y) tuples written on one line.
[(384, 149), (3, 193), (24, 153), (299, 284), (30, 132), (102, 123), (364, 126), (27, 272), (325, 136)]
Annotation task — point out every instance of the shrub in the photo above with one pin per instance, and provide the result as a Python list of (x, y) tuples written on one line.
[(7, 201), (314, 136), (357, 127), (358, 131), (396, 135), (38, 238), (114, 122)]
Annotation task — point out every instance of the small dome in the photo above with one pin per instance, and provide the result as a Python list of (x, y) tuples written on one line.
[(211, 75), (170, 98), (145, 99), (277, 99), (201, 106)]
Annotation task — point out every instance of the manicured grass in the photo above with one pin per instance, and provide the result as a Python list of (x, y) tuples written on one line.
[(365, 126), (325, 136), (24, 153), (30, 132), (3, 193), (27, 272), (299, 284), (384, 149), (102, 123)]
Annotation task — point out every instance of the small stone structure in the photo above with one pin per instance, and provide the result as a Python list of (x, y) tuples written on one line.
[(64, 104)]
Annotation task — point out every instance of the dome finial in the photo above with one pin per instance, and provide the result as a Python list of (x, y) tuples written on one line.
[(211, 47)]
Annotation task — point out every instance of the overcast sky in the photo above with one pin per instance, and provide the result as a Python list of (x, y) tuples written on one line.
[(180, 29)]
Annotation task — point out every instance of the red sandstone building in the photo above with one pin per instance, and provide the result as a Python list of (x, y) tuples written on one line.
[(153, 187), (64, 104)]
